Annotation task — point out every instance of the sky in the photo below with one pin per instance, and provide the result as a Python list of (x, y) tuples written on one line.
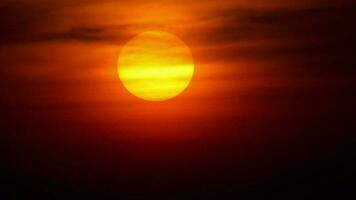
[(272, 93)]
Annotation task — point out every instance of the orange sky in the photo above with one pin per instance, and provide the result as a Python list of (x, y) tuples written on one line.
[(64, 55), (270, 109)]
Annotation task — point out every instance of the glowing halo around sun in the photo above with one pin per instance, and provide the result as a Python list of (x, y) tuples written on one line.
[(155, 66)]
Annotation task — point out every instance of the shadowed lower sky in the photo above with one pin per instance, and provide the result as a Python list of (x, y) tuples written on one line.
[(270, 76)]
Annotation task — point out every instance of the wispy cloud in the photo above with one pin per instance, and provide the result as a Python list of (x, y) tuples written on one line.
[(282, 38)]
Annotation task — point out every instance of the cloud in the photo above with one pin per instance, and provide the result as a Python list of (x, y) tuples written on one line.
[(109, 34), (236, 24), (23, 22), (319, 38), (317, 35)]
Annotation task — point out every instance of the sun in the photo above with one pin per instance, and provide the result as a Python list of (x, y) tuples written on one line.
[(155, 66)]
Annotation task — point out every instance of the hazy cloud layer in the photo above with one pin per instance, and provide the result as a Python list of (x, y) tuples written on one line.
[(285, 39), (24, 22)]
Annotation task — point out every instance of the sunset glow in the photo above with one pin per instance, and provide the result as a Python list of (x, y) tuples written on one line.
[(178, 99)]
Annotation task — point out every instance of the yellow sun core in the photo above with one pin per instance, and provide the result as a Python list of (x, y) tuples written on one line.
[(155, 66)]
